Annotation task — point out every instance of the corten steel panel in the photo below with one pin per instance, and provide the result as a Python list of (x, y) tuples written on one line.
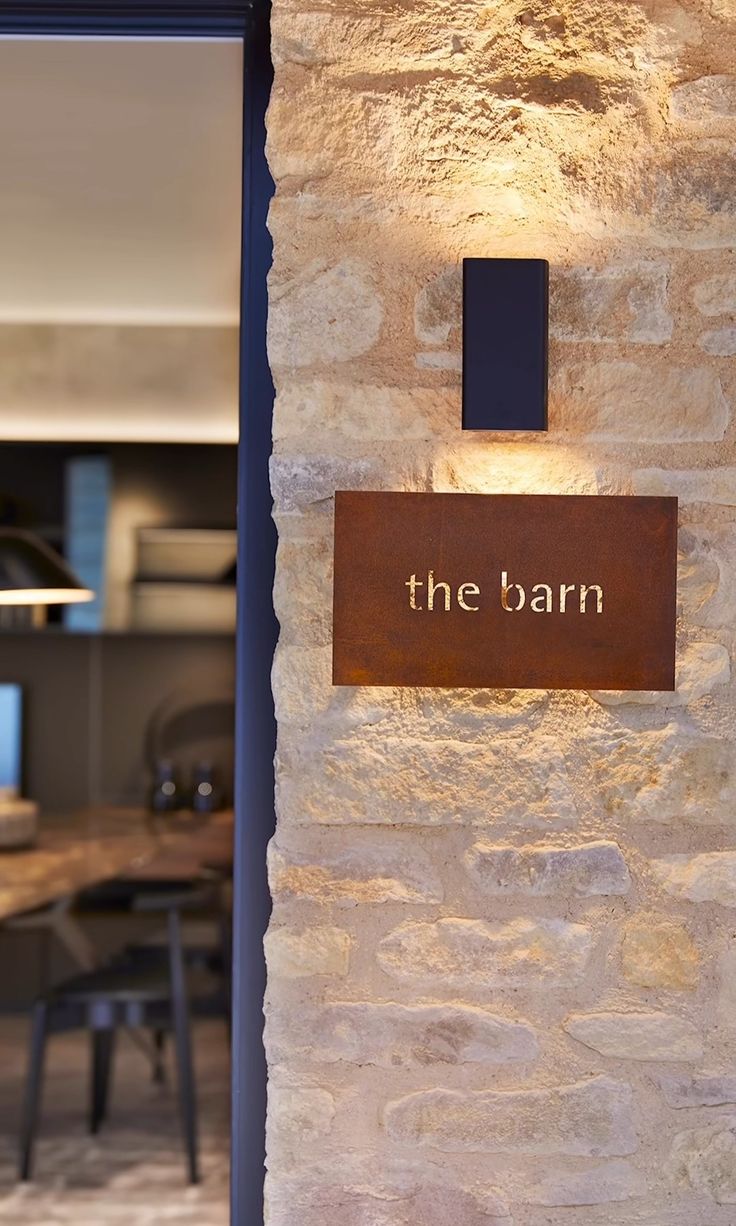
[(626, 546)]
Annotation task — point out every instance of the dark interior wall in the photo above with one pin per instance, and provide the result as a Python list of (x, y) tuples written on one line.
[(99, 707), (96, 707), (195, 485)]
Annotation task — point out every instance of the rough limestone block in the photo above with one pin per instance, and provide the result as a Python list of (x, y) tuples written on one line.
[(698, 574), (704, 1159), (716, 295), (637, 1036), (667, 775), (659, 954), (438, 307), (726, 999), (365, 875), (630, 401), (328, 313), (387, 1196), (701, 667), (684, 193), (399, 1036), (714, 485), (298, 1114), (585, 870), (588, 1119), (302, 592), (724, 10), (710, 877), (602, 1184), (472, 953), (406, 781), (293, 953), (699, 1091), (616, 303), (363, 412), (301, 481), (705, 100), (516, 467), (719, 342)]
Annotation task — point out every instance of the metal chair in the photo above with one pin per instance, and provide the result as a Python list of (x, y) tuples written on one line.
[(138, 991)]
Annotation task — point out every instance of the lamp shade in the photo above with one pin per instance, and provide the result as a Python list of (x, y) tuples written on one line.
[(32, 573)]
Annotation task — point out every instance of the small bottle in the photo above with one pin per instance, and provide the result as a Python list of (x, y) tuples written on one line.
[(205, 793), (165, 796)]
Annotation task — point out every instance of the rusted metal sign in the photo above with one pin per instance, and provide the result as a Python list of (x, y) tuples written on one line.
[(505, 590)]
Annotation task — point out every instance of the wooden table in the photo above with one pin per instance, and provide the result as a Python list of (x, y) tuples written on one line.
[(84, 849)]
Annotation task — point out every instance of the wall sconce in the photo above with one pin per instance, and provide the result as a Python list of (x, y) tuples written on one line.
[(505, 333), (32, 573)]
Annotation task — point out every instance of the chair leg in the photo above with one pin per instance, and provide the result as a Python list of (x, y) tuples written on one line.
[(182, 1036), (159, 1068), (34, 1083), (103, 1048)]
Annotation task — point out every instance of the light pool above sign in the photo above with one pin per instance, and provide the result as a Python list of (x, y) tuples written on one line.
[(510, 591)]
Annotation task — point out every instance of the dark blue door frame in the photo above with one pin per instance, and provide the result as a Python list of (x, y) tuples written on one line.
[(257, 634), (256, 625)]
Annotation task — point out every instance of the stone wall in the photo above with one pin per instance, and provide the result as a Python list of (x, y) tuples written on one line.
[(502, 971)]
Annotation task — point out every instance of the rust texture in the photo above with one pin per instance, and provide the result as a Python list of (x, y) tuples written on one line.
[(588, 600)]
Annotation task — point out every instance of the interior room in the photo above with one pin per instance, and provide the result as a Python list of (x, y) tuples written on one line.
[(120, 218)]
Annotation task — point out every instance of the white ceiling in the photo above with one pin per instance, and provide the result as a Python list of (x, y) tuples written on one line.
[(120, 175)]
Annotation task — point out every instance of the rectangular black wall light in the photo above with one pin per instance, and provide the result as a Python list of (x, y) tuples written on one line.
[(505, 312)]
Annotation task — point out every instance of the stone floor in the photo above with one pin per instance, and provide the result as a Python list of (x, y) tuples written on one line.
[(132, 1174)]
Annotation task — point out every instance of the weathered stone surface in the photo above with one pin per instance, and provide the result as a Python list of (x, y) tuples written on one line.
[(624, 400), (590, 1119), (700, 668), (396, 1036), (724, 10), (705, 100), (470, 714), (700, 571), (684, 193), (328, 314), (716, 485), (716, 295), (293, 953), (704, 1159), (402, 780), (666, 775), (473, 468), (637, 1036), (298, 482), (726, 999), (302, 589), (659, 954), (365, 875), (440, 359), (405, 134), (719, 342), (710, 877), (438, 307), (417, 1196), (363, 412), (626, 303), (602, 1184), (585, 870), (467, 953), (298, 1114), (699, 1091)]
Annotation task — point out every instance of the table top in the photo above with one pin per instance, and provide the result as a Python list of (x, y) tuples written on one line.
[(79, 850)]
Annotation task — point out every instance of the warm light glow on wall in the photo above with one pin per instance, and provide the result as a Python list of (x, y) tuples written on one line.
[(511, 467)]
